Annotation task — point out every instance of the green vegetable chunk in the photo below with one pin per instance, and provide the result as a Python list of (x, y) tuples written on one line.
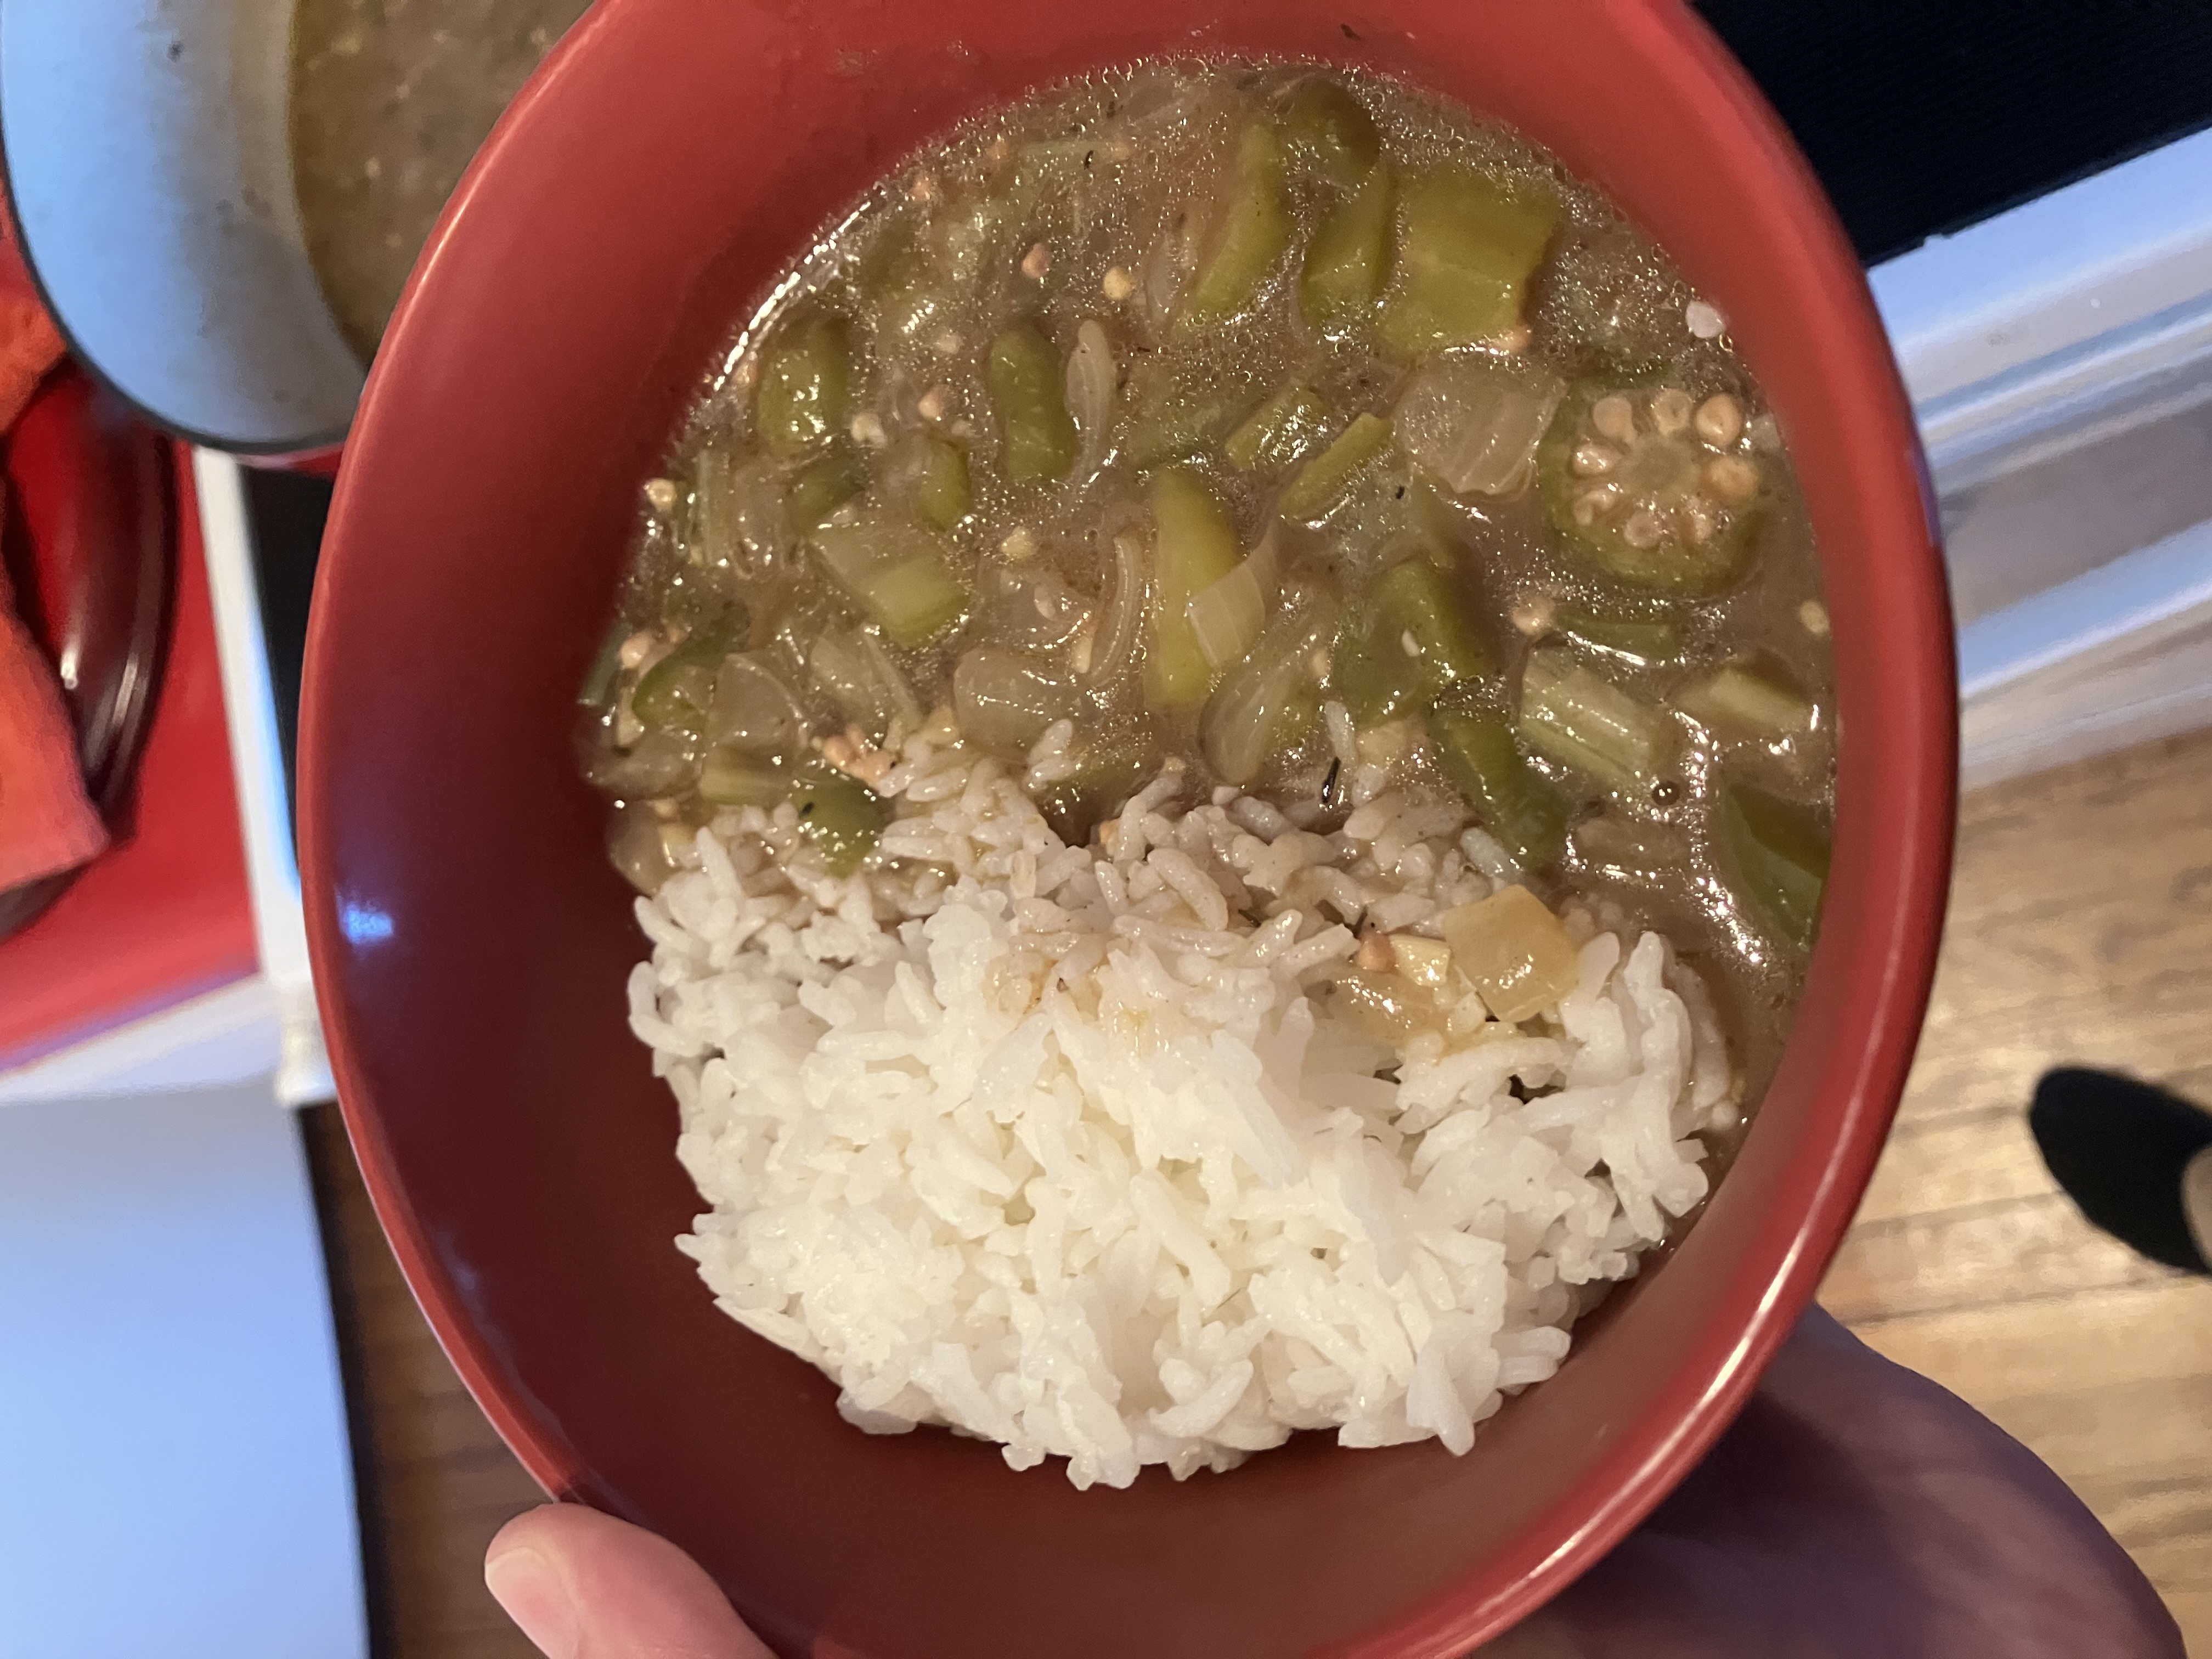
[(1466, 251), (1029, 397), (1076, 805), (1348, 260), (1406, 641), (1780, 853), (1323, 482), (1279, 433), (1740, 697), (805, 391), (1648, 642), (1329, 135), (1637, 491), (1255, 230), (931, 473), (1475, 751), (898, 573), (1265, 699), (606, 667), (1177, 412), (823, 485), (841, 815), (675, 692), (1580, 718), (1194, 545), (731, 777)]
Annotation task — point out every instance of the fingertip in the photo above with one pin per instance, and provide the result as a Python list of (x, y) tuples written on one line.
[(577, 1581)]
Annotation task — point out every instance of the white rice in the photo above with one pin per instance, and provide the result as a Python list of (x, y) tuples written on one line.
[(1051, 1146)]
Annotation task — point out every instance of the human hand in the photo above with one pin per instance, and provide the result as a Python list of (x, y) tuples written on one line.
[(1854, 1509), (583, 1585)]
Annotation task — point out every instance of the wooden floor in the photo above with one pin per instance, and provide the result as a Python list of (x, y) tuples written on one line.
[(2080, 930)]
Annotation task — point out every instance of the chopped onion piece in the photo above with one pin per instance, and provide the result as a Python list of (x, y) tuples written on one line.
[(1475, 422), (1092, 378), (1113, 650), (1005, 699), (1517, 952), (1228, 616), (752, 709)]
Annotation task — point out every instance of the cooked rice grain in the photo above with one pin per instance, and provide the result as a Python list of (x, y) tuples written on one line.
[(1058, 1146)]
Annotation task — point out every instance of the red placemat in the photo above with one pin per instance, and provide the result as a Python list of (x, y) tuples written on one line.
[(166, 913)]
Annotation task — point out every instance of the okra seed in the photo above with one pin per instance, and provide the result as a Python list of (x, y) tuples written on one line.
[(1670, 410), (1643, 529), (1720, 421), (1614, 418), (1733, 478), (1037, 262), (660, 494), (1595, 502), (1117, 284), (1593, 461), (1813, 617)]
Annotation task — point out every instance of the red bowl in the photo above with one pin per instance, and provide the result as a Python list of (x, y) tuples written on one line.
[(470, 943)]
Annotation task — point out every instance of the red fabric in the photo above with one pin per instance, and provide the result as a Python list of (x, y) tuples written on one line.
[(165, 914), (46, 824)]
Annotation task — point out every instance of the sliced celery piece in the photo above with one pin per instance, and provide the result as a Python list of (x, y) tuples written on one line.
[(898, 573), (1075, 806), (674, 693), (805, 391), (1652, 641), (1279, 433), (1752, 700), (1348, 260), (1327, 135), (839, 814), (606, 667), (1322, 482), (1407, 641), (731, 777), (1194, 545), (1175, 414), (1476, 751), (823, 485), (1255, 229), (1580, 718), (931, 473), (1466, 251), (1028, 387), (1780, 851)]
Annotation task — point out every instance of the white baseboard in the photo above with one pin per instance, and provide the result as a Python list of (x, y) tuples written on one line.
[(2080, 322)]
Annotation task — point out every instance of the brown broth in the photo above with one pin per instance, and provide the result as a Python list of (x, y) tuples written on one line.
[(1102, 173)]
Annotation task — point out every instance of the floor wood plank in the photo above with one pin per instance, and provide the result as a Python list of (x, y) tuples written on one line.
[(2080, 933)]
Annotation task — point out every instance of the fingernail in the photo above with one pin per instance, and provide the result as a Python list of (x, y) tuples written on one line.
[(536, 1597)]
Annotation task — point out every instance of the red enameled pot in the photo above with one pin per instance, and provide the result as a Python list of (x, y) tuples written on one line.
[(471, 941)]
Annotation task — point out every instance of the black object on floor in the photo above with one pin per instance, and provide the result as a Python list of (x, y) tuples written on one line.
[(2119, 1147)]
